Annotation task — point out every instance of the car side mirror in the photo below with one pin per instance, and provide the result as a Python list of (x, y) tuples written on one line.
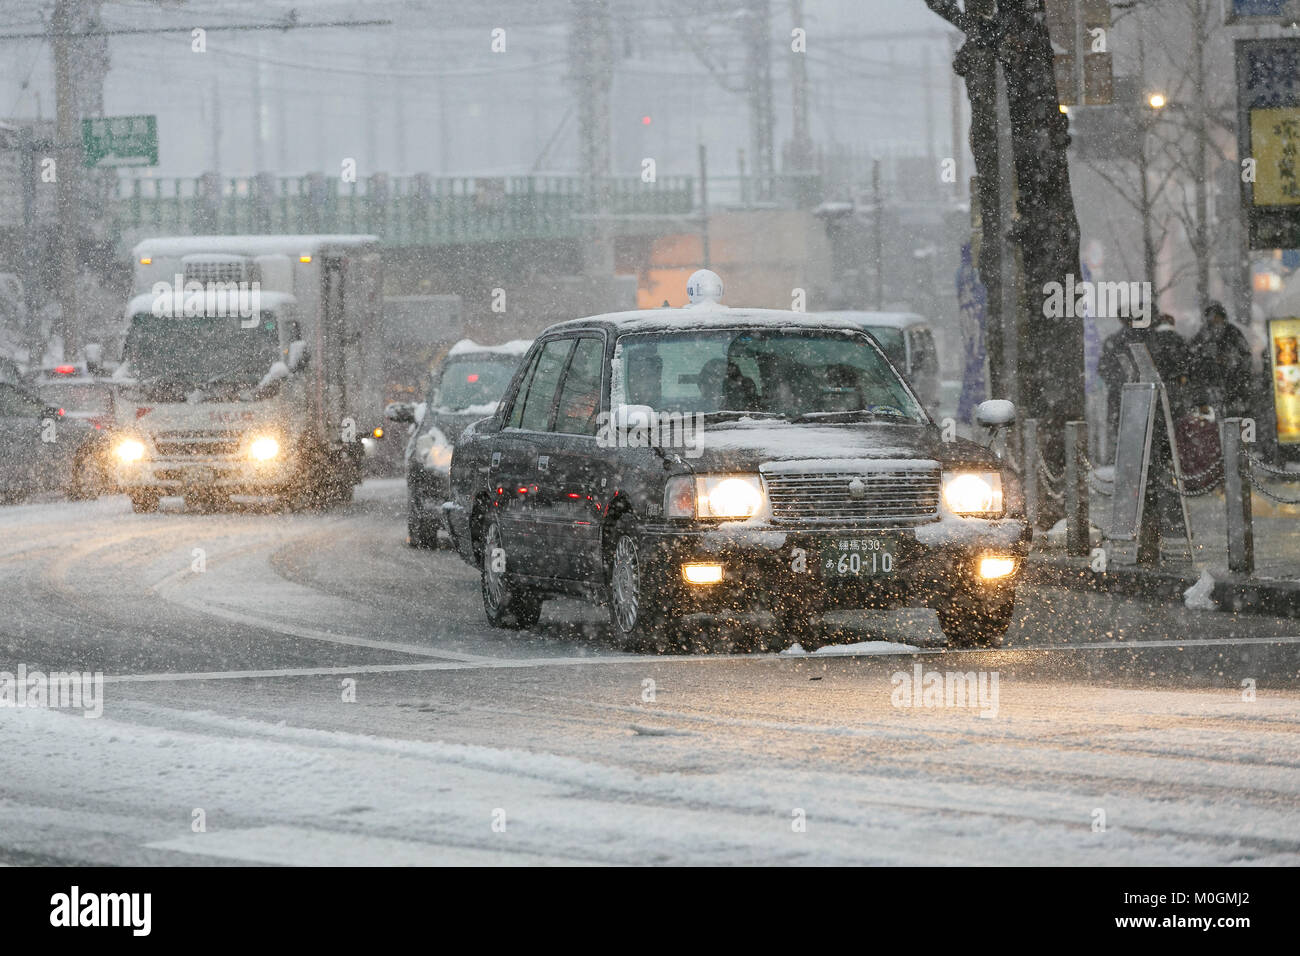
[(402, 412), (995, 413)]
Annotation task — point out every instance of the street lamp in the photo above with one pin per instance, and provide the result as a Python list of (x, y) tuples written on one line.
[(1156, 101)]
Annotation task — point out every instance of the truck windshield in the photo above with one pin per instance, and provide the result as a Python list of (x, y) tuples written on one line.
[(473, 381), (774, 372), (201, 350), (78, 399)]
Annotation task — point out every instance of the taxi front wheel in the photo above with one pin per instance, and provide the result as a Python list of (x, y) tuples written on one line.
[(971, 621), (640, 613)]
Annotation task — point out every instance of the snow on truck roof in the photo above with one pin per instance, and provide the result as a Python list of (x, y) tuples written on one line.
[(469, 346), (248, 245), (145, 300)]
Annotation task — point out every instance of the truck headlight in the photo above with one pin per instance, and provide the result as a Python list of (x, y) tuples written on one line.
[(264, 448), (973, 492), (129, 450), (713, 496)]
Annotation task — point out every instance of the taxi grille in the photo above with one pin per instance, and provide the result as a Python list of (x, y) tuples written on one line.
[(887, 495), (196, 444)]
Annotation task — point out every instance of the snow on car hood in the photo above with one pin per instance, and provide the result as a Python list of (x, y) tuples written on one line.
[(750, 444)]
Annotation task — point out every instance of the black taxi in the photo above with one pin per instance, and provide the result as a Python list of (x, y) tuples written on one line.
[(710, 459)]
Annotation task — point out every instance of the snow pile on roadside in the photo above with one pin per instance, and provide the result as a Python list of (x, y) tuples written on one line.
[(860, 649), (1197, 597)]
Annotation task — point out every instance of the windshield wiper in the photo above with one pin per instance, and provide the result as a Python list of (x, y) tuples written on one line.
[(731, 416), (858, 414)]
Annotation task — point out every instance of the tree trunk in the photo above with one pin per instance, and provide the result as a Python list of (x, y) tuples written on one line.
[(1050, 357)]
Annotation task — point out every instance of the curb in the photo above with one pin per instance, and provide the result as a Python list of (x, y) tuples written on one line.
[(1232, 593)]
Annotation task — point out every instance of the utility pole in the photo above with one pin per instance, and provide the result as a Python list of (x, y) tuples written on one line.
[(259, 114), (800, 137), (756, 23), (704, 206), (877, 238), (67, 137), (931, 136), (591, 54), (216, 125)]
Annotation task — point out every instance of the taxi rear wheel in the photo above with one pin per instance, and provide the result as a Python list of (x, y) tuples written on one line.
[(975, 623), (640, 612), (504, 604)]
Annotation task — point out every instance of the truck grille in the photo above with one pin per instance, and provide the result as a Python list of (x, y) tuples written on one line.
[(890, 495), (196, 444)]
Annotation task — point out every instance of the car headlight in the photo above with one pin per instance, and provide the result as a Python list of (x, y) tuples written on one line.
[(713, 496), (434, 451), (973, 492), (264, 448), (129, 450)]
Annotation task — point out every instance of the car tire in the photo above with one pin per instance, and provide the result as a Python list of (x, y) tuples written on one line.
[(421, 529), (505, 605), (144, 502), (640, 613), (798, 622), (971, 622), (88, 479)]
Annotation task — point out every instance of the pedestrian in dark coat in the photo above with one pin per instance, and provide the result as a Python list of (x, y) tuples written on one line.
[(1222, 365)]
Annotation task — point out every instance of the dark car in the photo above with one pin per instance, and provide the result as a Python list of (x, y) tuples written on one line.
[(466, 386), (706, 459), (909, 343), (91, 400), (38, 445)]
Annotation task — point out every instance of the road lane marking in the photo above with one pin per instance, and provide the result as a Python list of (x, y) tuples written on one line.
[(311, 846), (505, 663)]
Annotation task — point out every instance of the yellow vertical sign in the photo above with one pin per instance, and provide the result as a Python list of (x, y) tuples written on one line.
[(1284, 346), (1275, 145)]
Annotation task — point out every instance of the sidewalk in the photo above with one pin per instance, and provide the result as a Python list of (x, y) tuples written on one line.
[(1273, 589)]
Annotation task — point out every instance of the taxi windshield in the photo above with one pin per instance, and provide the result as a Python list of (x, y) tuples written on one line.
[(789, 373)]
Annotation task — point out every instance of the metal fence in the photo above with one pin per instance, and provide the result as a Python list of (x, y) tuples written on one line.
[(408, 210)]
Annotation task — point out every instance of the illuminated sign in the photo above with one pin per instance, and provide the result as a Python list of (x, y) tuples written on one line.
[(1284, 348), (1268, 124)]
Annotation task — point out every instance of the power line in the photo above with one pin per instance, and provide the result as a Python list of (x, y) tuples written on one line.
[(284, 25)]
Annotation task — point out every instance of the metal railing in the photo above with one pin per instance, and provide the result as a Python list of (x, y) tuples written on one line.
[(401, 210)]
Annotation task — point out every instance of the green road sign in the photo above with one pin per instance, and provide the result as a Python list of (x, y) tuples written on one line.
[(120, 141)]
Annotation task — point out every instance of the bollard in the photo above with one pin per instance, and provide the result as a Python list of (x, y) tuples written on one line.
[(1236, 497), (1029, 472), (1076, 488)]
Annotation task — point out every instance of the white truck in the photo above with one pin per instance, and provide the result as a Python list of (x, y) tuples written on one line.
[(257, 363)]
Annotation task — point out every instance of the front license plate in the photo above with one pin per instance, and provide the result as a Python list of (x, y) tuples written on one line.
[(858, 558)]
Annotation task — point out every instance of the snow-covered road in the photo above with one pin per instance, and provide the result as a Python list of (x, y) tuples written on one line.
[(305, 689)]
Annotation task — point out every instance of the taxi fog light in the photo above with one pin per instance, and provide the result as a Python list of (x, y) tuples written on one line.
[(728, 496), (991, 568), (129, 450), (702, 573), (264, 449), (973, 493)]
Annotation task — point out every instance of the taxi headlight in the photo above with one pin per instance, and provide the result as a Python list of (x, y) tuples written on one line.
[(728, 496), (129, 450), (973, 492), (264, 448)]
